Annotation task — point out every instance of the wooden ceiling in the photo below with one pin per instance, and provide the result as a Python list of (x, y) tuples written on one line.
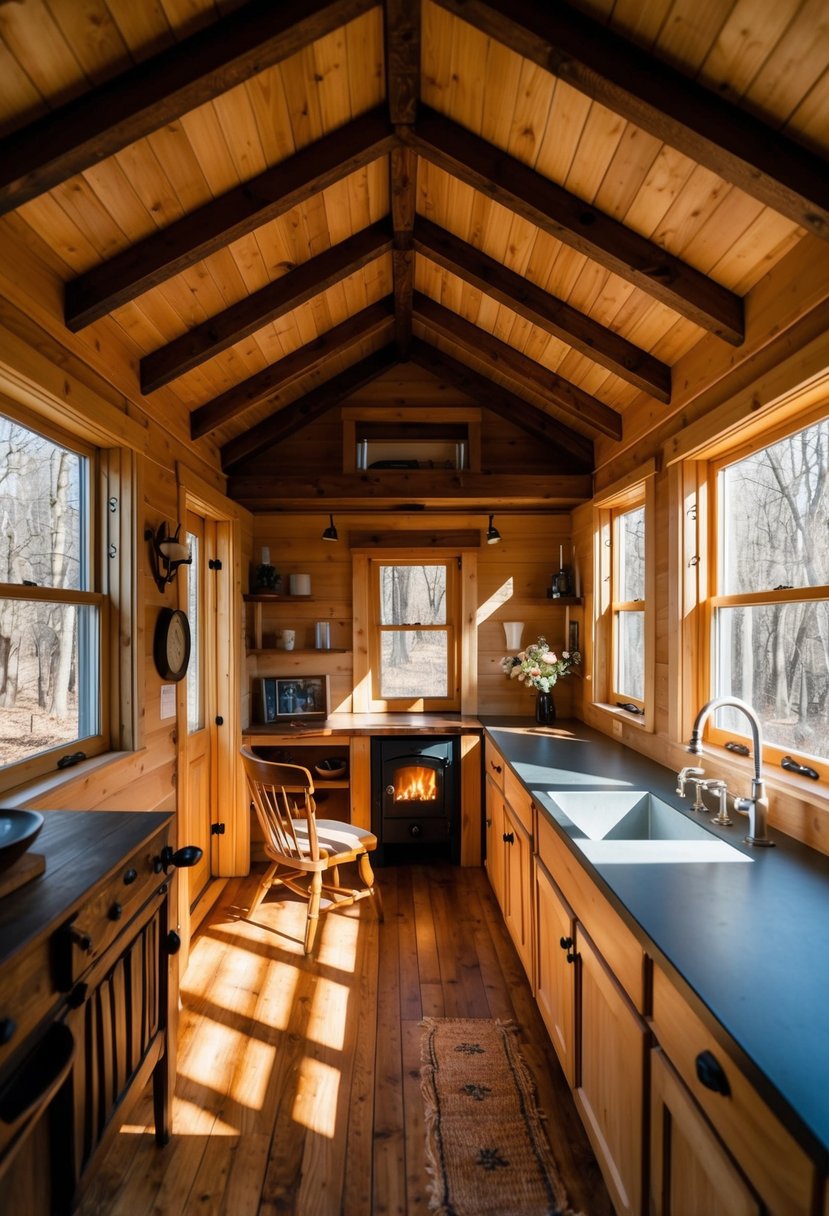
[(546, 206)]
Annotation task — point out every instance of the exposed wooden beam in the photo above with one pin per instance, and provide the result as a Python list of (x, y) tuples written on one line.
[(575, 223), (307, 408), (233, 215), (563, 396), (543, 310), (374, 489), (730, 142), (139, 101), (273, 379), (504, 403), (262, 307), (402, 26)]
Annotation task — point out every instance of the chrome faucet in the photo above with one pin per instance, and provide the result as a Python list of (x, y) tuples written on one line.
[(757, 806), (684, 775)]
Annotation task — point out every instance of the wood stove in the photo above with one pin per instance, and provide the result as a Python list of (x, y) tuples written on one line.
[(415, 797)]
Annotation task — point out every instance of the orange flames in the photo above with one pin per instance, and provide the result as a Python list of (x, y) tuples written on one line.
[(415, 784)]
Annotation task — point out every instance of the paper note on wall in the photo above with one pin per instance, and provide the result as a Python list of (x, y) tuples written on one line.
[(168, 700)]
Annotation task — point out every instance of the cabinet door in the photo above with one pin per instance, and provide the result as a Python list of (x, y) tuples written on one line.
[(610, 1092), (495, 840), (690, 1169), (518, 887), (555, 976)]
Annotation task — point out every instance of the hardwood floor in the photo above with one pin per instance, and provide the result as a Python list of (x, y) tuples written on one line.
[(299, 1080)]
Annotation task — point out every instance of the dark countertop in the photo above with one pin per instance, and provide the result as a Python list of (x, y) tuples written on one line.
[(747, 943), (367, 724)]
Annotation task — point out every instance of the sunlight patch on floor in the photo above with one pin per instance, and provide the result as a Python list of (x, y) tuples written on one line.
[(276, 998), (315, 1104), (327, 1016), (212, 1055), (338, 936), (189, 1119), (255, 1067)]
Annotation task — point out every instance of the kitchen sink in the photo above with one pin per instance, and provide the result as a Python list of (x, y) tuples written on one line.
[(635, 826)]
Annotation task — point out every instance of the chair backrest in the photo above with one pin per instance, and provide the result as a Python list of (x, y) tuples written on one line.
[(283, 793)]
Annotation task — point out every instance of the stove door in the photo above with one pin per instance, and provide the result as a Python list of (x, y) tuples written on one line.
[(414, 786)]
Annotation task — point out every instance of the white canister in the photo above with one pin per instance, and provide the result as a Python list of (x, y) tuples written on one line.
[(300, 584), (288, 638), (322, 635)]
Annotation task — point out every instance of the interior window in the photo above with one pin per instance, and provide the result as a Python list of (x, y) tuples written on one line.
[(628, 605), (51, 608), (416, 634), (770, 610)]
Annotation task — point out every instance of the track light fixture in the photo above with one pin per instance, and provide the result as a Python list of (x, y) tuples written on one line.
[(167, 553), (492, 534), (330, 532)]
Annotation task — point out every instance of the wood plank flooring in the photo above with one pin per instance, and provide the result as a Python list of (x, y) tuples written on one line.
[(298, 1086)]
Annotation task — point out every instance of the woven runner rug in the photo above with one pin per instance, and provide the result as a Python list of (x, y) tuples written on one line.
[(487, 1151)]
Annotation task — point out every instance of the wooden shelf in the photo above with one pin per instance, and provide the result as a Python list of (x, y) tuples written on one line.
[(272, 597), (567, 601), (280, 650)]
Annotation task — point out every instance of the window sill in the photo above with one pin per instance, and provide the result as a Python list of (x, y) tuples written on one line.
[(42, 793), (618, 716)]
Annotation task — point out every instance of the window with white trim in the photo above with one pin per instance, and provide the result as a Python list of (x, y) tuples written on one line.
[(53, 613), (769, 608)]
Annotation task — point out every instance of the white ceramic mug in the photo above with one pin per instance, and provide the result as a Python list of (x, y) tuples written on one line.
[(300, 584), (288, 638)]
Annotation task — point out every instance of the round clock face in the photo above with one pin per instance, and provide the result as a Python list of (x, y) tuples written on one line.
[(171, 649)]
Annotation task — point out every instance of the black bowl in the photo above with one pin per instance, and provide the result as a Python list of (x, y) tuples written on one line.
[(18, 830)]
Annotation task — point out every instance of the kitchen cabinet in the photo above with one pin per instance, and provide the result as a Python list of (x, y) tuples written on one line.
[(494, 840), (555, 972), (612, 1045), (517, 903), (778, 1168), (691, 1172)]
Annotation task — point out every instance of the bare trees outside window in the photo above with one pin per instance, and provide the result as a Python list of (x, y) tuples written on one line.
[(771, 613), (628, 581), (49, 618), (415, 631)]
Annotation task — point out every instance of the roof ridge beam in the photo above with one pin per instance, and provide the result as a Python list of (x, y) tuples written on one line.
[(100, 123), (277, 376), (572, 221), (731, 142), (543, 309), (218, 223)]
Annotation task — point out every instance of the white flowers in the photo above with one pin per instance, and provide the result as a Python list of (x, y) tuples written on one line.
[(538, 666)]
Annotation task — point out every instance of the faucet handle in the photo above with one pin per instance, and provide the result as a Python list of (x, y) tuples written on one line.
[(684, 775)]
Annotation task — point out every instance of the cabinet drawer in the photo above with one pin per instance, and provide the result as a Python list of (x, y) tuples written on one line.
[(27, 993), (617, 945), (494, 764), (520, 801), (771, 1159)]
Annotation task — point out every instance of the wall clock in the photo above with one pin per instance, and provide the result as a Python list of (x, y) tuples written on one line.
[(171, 645)]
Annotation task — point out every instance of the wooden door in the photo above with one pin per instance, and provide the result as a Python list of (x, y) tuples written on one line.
[(555, 976), (610, 1075), (518, 887), (495, 840), (199, 793), (690, 1169)]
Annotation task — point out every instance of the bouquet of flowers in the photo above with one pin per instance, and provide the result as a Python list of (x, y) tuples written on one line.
[(538, 666)]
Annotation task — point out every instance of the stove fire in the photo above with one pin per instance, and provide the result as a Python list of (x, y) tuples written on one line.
[(415, 783)]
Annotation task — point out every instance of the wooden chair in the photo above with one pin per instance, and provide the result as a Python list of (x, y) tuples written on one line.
[(299, 844)]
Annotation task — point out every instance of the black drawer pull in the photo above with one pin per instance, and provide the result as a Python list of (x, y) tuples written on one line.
[(497, 767), (565, 942), (711, 1074), (130, 877)]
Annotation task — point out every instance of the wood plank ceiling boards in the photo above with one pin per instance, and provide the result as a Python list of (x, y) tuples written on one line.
[(259, 212)]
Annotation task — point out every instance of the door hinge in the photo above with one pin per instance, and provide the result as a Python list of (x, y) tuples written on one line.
[(214, 564), (217, 829)]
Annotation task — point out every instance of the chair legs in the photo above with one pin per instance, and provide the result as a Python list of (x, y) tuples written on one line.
[(263, 888), (314, 892), (367, 875)]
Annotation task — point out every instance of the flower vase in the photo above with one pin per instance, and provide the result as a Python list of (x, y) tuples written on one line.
[(545, 709)]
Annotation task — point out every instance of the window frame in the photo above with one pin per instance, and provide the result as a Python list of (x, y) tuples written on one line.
[(617, 605), (45, 762), (629, 493), (712, 599), (452, 629)]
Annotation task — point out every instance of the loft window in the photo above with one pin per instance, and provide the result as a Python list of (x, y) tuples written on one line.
[(52, 617), (769, 622), (414, 663)]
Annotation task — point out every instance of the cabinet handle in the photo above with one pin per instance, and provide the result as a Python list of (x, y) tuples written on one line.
[(497, 767), (571, 956), (508, 838), (565, 942), (711, 1074)]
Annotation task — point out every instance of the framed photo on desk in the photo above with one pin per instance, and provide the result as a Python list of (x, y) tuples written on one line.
[(284, 697)]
